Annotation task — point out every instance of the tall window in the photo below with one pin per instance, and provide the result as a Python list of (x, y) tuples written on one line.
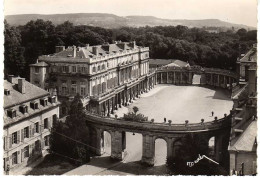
[(46, 140), (14, 158), (94, 69), (14, 138), (36, 127), (46, 123), (26, 132), (73, 90), (74, 69), (26, 152), (82, 91)]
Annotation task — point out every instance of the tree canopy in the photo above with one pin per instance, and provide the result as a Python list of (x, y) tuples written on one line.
[(23, 44)]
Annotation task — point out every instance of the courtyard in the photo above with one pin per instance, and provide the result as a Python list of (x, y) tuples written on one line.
[(176, 103)]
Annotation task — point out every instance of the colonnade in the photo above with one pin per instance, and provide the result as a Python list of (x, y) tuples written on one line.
[(125, 96), (186, 77)]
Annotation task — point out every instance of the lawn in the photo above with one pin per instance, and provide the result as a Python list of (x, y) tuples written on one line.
[(53, 165)]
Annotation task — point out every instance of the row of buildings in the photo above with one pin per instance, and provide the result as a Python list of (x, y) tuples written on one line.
[(106, 77)]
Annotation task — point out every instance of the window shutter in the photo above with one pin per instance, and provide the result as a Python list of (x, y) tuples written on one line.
[(33, 130), (22, 154), (30, 131), (18, 137), (30, 150), (48, 123), (22, 135), (33, 150), (10, 142), (5, 143), (18, 154)]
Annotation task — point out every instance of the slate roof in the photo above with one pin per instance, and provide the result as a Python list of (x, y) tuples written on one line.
[(40, 64), (246, 141), (83, 53), (31, 92)]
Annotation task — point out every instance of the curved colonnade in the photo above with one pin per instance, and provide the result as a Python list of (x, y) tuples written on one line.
[(97, 121)]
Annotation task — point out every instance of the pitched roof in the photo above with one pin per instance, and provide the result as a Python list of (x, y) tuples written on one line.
[(246, 141), (31, 92), (40, 64)]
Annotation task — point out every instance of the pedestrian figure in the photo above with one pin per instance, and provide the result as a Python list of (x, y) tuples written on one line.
[(212, 113), (164, 119)]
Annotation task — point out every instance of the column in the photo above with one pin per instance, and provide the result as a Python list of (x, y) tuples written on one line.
[(148, 150), (155, 75), (161, 78), (225, 83), (99, 109), (119, 99), (108, 108), (126, 97), (116, 145), (130, 95), (218, 80), (218, 146), (123, 97), (112, 105), (181, 78), (170, 153), (230, 84), (211, 79), (116, 101), (105, 108), (167, 77), (174, 82)]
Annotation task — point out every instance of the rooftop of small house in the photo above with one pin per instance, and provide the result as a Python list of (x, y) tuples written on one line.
[(16, 95), (250, 56)]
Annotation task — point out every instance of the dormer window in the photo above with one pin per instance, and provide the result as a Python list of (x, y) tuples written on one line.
[(52, 99), (34, 105), (23, 109), (11, 113), (44, 102), (7, 92)]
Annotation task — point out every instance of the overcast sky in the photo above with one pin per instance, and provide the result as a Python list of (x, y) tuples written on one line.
[(236, 11)]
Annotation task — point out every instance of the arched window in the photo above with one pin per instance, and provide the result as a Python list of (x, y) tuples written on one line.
[(103, 66), (98, 68)]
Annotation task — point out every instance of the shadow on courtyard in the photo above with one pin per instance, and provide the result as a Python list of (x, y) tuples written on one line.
[(220, 94), (135, 167)]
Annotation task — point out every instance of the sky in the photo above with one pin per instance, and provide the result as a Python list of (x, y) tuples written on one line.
[(235, 11)]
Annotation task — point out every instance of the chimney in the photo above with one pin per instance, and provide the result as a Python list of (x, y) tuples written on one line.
[(132, 44), (59, 49), (10, 78), (74, 51), (95, 50), (21, 85)]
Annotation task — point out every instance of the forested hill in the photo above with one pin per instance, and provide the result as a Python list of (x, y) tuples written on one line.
[(24, 44), (113, 21)]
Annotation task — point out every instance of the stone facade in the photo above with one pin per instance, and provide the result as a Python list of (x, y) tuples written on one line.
[(95, 72), (29, 113)]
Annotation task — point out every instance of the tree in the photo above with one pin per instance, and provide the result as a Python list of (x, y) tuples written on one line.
[(72, 137), (14, 62), (135, 109)]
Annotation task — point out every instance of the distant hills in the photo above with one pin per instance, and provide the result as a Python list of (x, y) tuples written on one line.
[(113, 21)]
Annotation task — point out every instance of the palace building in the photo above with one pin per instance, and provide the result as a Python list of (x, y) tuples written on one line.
[(29, 114), (106, 76)]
